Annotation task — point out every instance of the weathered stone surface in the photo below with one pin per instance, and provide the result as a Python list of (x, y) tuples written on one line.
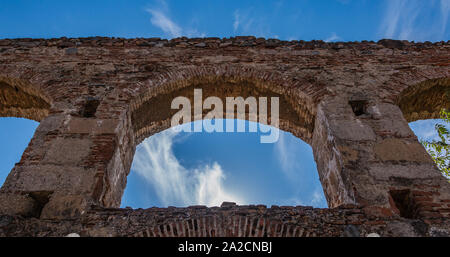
[(15, 204), (64, 206), (353, 130), (224, 221), (386, 171), (50, 177), (97, 98), (58, 152), (391, 149), (92, 126)]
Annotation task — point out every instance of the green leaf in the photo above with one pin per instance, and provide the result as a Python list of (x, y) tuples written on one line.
[(440, 150)]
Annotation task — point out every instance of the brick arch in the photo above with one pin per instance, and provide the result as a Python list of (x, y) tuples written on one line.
[(18, 98), (420, 92), (235, 226), (425, 99), (151, 113)]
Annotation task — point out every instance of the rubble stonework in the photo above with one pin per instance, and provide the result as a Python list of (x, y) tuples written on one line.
[(98, 98)]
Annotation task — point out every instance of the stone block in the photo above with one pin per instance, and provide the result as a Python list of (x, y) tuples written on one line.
[(354, 130), (51, 123), (65, 206), (385, 111), (410, 171), (393, 127), (49, 178), (17, 204), (348, 154), (394, 149), (68, 151), (93, 126)]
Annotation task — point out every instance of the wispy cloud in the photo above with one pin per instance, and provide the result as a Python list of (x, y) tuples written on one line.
[(174, 184), (425, 129), (316, 199), (292, 158), (445, 10), (415, 19), (288, 153), (246, 22), (237, 20), (285, 155), (332, 38), (397, 15), (161, 19)]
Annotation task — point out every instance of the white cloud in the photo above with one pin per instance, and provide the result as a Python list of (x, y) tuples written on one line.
[(333, 37), (317, 197), (445, 10), (246, 22), (288, 155), (283, 153), (392, 18), (415, 20), (174, 184), (243, 21), (237, 20), (161, 19), (425, 129)]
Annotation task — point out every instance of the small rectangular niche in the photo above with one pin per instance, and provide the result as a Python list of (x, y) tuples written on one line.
[(359, 107), (90, 107), (405, 203), (41, 198)]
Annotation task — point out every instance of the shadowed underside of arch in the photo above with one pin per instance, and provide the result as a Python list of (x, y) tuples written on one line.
[(425, 100), (152, 113), (19, 99)]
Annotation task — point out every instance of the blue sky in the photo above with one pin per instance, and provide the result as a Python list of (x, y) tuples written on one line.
[(346, 20), (15, 134), (209, 168), (203, 168)]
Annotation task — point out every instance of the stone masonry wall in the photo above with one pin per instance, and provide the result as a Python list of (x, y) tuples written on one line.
[(97, 98), (227, 220)]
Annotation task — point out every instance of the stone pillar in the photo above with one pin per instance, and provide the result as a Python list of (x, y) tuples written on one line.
[(71, 163), (366, 154)]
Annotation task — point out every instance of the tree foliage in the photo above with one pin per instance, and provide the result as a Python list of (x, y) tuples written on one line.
[(440, 149)]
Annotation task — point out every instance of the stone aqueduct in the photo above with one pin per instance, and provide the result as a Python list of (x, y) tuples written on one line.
[(97, 98)]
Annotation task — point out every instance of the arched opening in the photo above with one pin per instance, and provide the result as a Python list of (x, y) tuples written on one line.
[(177, 168), (21, 109), (151, 114), (422, 106), (428, 134), (15, 134)]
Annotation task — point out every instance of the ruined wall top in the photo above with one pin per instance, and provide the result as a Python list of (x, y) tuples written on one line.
[(215, 42), (66, 70)]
